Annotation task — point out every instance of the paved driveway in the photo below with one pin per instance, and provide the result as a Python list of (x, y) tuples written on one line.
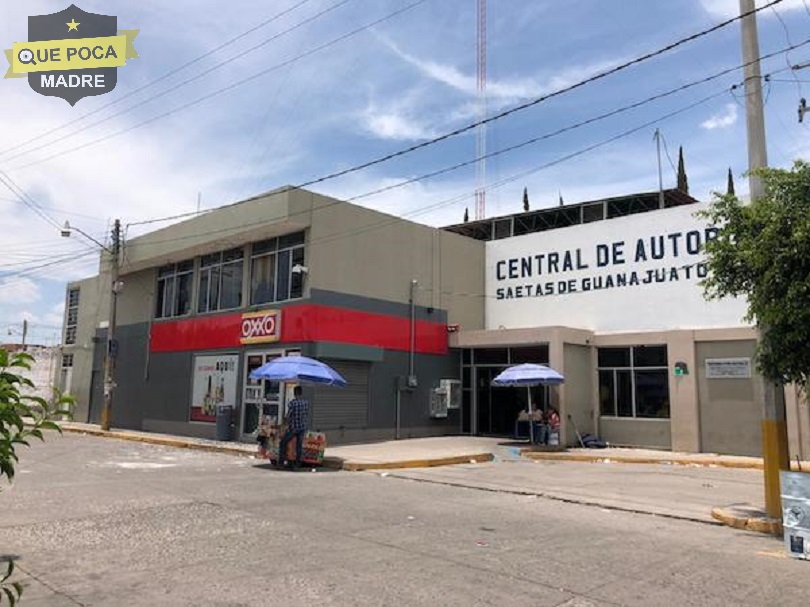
[(102, 522)]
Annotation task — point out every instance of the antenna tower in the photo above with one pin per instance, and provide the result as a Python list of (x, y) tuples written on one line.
[(481, 131)]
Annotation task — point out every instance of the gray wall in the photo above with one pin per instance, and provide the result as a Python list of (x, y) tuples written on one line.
[(730, 409), (154, 391)]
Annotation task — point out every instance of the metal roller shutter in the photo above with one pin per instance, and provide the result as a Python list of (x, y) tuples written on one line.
[(347, 407)]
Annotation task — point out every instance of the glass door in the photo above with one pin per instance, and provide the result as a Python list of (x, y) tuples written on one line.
[(261, 398)]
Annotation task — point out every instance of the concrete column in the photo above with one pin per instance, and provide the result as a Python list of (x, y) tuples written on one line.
[(684, 409)]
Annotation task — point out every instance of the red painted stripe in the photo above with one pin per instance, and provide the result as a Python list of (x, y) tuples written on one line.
[(303, 323)]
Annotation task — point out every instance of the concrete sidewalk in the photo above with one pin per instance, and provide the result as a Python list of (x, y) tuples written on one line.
[(617, 455), (411, 453), (686, 493)]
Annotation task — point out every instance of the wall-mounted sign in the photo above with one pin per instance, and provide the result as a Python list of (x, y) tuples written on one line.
[(260, 327), (728, 368), (214, 384), (633, 273)]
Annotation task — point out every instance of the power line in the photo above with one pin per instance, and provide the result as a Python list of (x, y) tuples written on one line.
[(183, 83), (159, 79), (27, 200), (229, 87), (435, 140), (542, 98), (522, 144), (464, 196)]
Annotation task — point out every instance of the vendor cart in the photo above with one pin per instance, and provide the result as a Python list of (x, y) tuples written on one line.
[(269, 438)]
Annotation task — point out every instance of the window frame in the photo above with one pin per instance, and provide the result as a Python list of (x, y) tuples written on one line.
[(72, 309), (631, 369), (170, 276), (293, 250), (212, 265)]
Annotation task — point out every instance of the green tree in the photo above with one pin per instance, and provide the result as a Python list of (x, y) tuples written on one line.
[(762, 253), (21, 418)]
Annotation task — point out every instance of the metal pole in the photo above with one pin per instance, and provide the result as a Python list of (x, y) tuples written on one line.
[(112, 350), (24, 333), (413, 328), (657, 138), (774, 426)]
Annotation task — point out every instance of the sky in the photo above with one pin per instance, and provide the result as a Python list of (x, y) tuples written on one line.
[(228, 100)]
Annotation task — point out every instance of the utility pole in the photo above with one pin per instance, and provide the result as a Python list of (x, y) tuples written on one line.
[(112, 345), (24, 333), (774, 425), (657, 137)]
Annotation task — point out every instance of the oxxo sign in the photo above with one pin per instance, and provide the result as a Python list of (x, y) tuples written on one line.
[(260, 327)]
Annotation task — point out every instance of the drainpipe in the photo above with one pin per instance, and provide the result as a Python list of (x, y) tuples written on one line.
[(413, 327)]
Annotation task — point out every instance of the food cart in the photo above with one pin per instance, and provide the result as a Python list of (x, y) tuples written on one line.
[(299, 369), (269, 438)]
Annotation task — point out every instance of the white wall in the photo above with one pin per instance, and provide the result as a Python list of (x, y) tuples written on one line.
[(551, 278)]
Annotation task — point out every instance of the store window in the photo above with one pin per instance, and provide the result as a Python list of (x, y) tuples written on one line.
[(72, 316), (174, 289), (633, 382), (221, 280), (276, 269)]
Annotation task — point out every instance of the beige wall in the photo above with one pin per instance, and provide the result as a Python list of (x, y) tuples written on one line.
[(576, 394), (255, 219), (653, 433), (93, 309), (730, 409), (363, 252), (136, 301)]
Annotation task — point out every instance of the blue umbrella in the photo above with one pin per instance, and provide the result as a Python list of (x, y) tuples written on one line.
[(299, 369), (529, 374)]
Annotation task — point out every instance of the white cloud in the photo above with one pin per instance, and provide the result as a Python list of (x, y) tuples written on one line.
[(723, 120), (505, 90), (18, 291), (726, 9), (396, 126)]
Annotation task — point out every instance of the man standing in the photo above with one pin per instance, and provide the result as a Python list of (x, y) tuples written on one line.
[(297, 416)]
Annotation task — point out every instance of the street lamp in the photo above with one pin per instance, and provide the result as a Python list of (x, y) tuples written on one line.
[(115, 287)]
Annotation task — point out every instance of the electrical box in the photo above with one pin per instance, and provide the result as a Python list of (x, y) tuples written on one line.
[(444, 397)]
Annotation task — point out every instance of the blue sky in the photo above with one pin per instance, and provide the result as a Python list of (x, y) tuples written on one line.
[(407, 79)]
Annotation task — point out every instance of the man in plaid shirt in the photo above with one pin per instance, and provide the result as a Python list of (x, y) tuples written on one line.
[(297, 416)]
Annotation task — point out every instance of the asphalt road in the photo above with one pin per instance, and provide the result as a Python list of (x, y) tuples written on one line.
[(95, 521)]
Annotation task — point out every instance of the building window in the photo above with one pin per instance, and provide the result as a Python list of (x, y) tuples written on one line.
[(633, 382), (72, 316), (67, 361), (275, 269), (221, 281), (174, 289)]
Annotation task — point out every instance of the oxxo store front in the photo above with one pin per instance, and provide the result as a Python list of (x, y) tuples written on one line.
[(224, 350), (214, 355), (618, 305)]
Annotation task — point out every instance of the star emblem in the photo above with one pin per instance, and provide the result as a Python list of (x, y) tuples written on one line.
[(73, 26)]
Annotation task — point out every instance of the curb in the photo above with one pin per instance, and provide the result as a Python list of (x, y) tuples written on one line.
[(624, 459), (419, 463), (758, 524), (166, 442), (330, 462), (591, 503)]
